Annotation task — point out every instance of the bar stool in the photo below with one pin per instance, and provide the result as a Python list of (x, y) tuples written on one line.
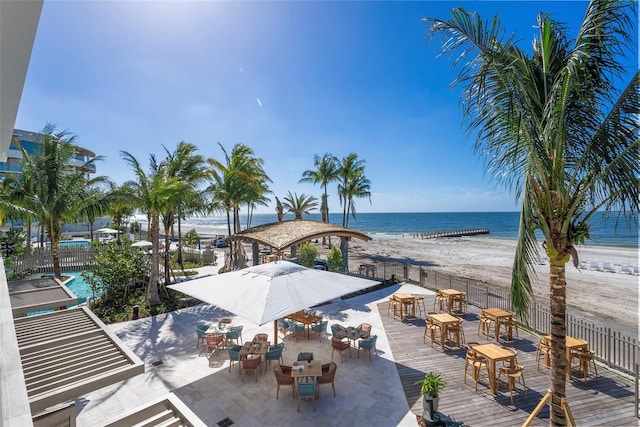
[(460, 299), (484, 326), (509, 325), (441, 300), (455, 332), (419, 301), (585, 358), (430, 329), (393, 305), (543, 349)]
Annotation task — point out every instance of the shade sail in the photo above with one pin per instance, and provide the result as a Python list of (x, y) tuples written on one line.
[(266, 292)]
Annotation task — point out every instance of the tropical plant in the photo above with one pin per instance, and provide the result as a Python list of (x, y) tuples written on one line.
[(299, 205), (431, 384), (191, 238), (307, 254), (552, 125), (239, 180), (153, 193), (334, 260), (352, 184), (58, 193), (326, 171)]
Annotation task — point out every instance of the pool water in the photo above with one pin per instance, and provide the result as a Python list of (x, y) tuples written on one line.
[(73, 243), (77, 285)]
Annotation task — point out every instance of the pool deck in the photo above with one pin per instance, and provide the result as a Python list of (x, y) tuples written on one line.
[(380, 392)]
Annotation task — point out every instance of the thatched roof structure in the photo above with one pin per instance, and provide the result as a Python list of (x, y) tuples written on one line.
[(281, 235)]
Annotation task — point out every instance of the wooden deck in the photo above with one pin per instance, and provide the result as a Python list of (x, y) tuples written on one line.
[(609, 402)]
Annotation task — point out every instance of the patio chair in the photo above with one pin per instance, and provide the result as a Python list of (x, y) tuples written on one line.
[(234, 355), (225, 320), (283, 377), (441, 301), (585, 358), (476, 362), (393, 305), (340, 346), (275, 353), (320, 328), (484, 326), (420, 305), (213, 343), (368, 345), (328, 376), (201, 331), (338, 331), (235, 334), (430, 329), (261, 338), (514, 373), (283, 326), (460, 300), (296, 329), (365, 330), (455, 332), (543, 350), (251, 364), (510, 325), (307, 391)]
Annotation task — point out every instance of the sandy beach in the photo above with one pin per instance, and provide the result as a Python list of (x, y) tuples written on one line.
[(610, 299)]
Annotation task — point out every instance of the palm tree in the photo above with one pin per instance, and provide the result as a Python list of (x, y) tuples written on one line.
[(153, 193), (553, 126), (239, 180), (327, 170), (352, 184), (189, 167), (299, 205), (59, 192)]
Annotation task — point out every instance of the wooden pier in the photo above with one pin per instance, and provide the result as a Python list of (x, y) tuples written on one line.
[(452, 233)]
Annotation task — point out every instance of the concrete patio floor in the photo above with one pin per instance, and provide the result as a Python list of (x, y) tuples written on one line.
[(368, 393)]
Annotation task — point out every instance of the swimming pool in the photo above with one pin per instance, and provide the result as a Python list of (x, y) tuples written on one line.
[(76, 284), (73, 243)]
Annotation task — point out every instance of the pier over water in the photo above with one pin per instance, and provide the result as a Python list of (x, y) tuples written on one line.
[(452, 233)]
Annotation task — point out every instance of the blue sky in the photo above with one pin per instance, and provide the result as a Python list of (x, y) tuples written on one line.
[(288, 79)]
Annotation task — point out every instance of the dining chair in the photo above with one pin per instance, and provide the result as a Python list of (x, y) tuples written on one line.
[(261, 337), (509, 325), (365, 330), (460, 300), (586, 358), (320, 328), (234, 355), (296, 329), (274, 353), (513, 361), (430, 329), (543, 350), (201, 331), (368, 345), (484, 326), (235, 334), (251, 364), (338, 331), (283, 327), (213, 343), (328, 376), (455, 332), (514, 374), (476, 362), (340, 346), (441, 301), (420, 305), (225, 320), (283, 377), (307, 390)]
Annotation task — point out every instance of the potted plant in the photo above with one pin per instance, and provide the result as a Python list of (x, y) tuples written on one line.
[(430, 387)]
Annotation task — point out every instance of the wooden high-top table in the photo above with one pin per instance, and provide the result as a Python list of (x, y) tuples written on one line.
[(498, 315), (494, 353), (451, 294), (444, 320), (404, 298)]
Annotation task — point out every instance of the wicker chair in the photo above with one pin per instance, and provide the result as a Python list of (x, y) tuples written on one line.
[(340, 346), (234, 355), (283, 377), (368, 345), (261, 338), (251, 364), (307, 391), (328, 376), (274, 353)]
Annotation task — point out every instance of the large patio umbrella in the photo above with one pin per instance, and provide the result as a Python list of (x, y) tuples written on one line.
[(267, 292), (141, 244), (107, 231)]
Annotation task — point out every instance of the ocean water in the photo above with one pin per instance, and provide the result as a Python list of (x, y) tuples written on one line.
[(605, 231)]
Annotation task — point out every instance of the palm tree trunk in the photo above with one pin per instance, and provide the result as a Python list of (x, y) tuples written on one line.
[(179, 259), (558, 331), (55, 255), (167, 253), (154, 233)]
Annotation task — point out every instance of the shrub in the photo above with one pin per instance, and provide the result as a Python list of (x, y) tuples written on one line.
[(334, 260), (307, 254)]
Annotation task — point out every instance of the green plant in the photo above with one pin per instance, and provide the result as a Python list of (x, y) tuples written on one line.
[(191, 238), (307, 254), (431, 384), (334, 260)]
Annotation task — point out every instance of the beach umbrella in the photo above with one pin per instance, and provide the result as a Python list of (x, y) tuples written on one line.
[(107, 231), (267, 292)]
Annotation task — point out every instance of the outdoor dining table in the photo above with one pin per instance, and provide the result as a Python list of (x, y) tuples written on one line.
[(494, 353), (353, 334), (403, 299), (443, 320), (219, 328), (451, 294), (306, 319), (312, 369), (260, 348), (498, 315)]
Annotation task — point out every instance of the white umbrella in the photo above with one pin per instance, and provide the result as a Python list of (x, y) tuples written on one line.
[(107, 231), (141, 244), (267, 292)]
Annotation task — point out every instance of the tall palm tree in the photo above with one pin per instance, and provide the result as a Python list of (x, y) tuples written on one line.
[(553, 126), (153, 193), (327, 170), (299, 205), (59, 192), (239, 180), (352, 184), (189, 167)]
